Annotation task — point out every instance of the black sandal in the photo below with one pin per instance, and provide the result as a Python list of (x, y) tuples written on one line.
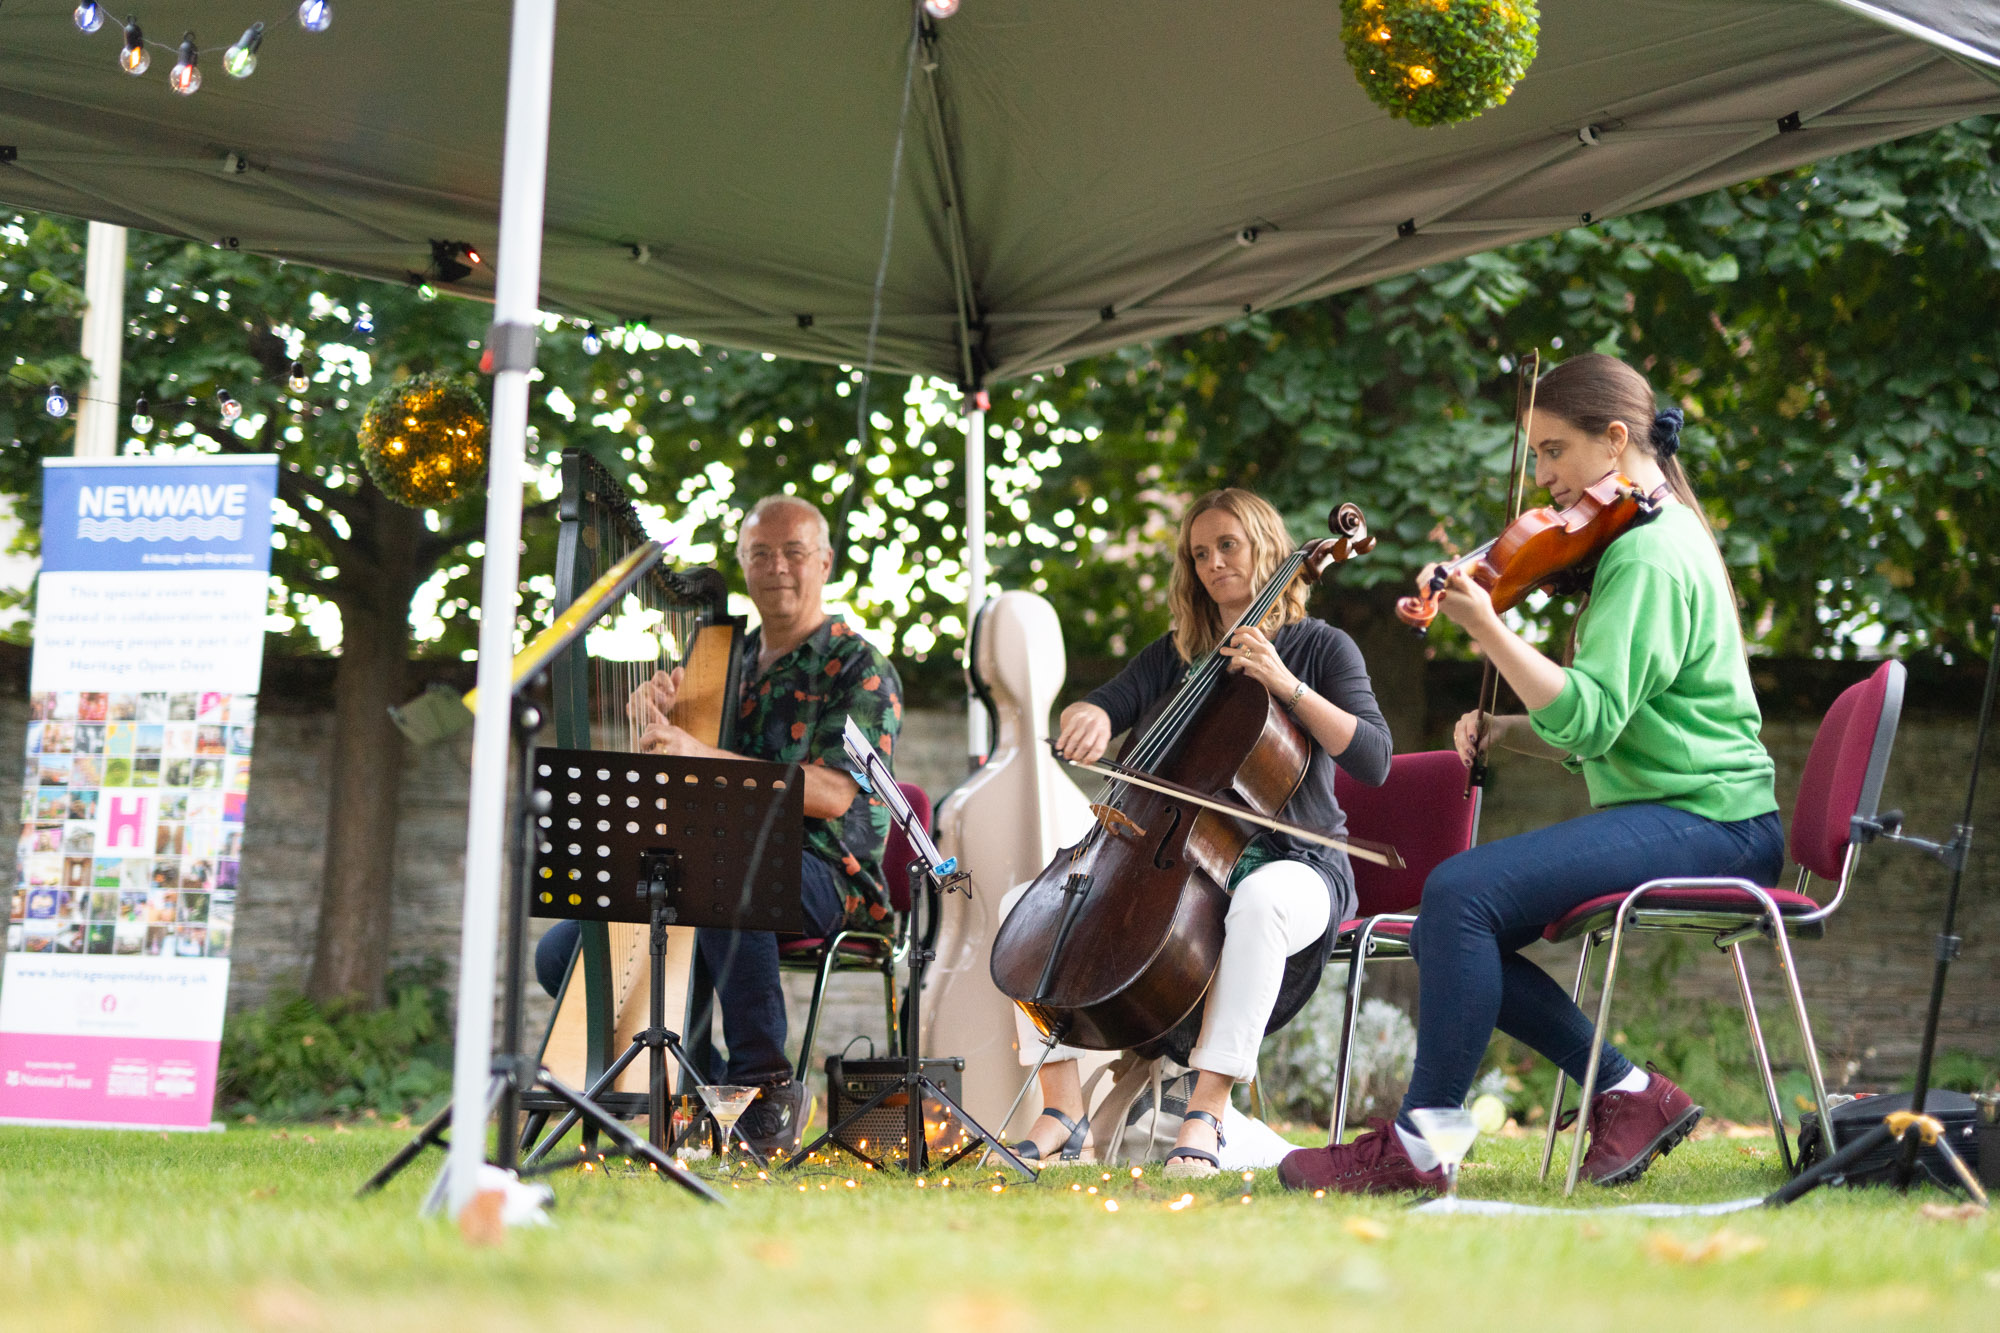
[(1196, 1163), (1072, 1151)]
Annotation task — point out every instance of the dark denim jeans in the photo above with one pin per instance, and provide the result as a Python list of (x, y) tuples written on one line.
[(743, 965), (1483, 906)]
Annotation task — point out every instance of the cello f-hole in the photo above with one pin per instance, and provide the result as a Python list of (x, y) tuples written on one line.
[(1163, 858)]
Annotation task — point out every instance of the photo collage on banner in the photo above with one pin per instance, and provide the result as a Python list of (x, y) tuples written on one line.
[(149, 647), (102, 871)]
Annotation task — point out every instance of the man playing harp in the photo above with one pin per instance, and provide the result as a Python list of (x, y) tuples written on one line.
[(809, 672)]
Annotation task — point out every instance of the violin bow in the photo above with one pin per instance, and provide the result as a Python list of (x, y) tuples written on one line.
[(1381, 853), (1529, 373)]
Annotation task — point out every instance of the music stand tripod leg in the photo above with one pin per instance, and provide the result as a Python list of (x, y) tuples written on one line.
[(914, 1082)]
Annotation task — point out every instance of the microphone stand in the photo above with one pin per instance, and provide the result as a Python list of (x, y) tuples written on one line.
[(1913, 1129)]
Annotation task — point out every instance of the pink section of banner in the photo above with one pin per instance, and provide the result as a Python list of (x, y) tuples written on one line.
[(107, 1080)]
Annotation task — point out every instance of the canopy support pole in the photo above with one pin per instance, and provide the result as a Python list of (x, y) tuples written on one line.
[(978, 743), (971, 369), (517, 286), (103, 341)]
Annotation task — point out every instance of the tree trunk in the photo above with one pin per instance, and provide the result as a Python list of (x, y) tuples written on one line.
[(351, 951)]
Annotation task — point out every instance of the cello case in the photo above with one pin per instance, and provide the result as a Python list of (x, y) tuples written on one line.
[(1004, 823)]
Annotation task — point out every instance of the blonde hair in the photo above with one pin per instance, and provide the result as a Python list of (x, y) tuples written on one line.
[(1197, 619)]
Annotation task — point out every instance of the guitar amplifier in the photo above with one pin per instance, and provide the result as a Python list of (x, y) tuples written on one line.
[(880, 1133)]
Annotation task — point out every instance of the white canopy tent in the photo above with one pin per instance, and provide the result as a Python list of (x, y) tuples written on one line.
[(1078, 176)]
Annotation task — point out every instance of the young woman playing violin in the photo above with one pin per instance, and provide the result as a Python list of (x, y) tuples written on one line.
[(1655, 709), (1288, 894)]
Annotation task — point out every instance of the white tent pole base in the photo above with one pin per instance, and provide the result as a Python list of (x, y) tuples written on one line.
[(976, 739), (519, 266)]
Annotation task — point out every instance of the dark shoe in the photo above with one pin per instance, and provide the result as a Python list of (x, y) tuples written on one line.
[(1374, 1163), (1195, 1163), (773, 1122), (1629, 1131), (1072, 1151)]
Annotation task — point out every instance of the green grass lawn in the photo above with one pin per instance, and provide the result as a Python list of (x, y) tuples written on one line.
[(257, 1228)]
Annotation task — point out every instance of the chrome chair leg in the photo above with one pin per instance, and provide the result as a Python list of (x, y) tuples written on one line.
[(1781, 941), (804, 1067), (1589, 1088), (1763, 1057), (1344, 1067), (1562, 1078)]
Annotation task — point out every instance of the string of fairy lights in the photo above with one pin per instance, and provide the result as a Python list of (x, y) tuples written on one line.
[(239, 59)]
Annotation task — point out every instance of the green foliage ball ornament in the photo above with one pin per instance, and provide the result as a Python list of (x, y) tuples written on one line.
[(1436, 62), (423, 440)]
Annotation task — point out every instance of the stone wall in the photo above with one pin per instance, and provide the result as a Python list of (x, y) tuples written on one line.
[(1867, 981)]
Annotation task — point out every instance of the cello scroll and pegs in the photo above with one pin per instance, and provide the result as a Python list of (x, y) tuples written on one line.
[(1351, 537)]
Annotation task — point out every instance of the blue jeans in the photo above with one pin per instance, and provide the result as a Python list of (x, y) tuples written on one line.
[(1483, 906), (743, 965)]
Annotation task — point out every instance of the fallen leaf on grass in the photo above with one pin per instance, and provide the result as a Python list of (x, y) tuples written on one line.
[(402, 1122), (1365, 1228), (1944, 1212), (340, 1127), (310, 1139), (1748, 1151), (281, 1134), (979, 1314), (282, 1306), (773, 1252), (264, 1192), (1720, 1246), (479, 1222)]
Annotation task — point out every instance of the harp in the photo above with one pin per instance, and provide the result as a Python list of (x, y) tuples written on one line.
[(668, 618)]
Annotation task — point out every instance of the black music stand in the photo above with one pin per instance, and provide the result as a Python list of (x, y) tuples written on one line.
[(931, 876), (1914, 1130), (682, 831), (513, 1072)]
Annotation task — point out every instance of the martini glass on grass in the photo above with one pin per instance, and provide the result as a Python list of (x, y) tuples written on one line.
[(1450, 1131), (727, 1102)]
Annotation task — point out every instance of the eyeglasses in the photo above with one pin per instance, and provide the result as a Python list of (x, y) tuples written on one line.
[(793, 554)]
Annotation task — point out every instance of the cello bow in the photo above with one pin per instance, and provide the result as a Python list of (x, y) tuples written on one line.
[(1381, 853)]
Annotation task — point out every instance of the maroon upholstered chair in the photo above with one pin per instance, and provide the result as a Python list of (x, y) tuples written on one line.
[(862, 950), (1423, 812), (1842, 779)]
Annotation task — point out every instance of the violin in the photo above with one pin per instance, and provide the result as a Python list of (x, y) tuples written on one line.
[(1115, 941), (1555, 549)]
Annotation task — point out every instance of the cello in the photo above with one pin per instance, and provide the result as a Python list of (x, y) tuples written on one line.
[(1116, 940)]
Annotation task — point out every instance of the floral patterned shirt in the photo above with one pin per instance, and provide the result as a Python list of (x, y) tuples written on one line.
[(795, 712)]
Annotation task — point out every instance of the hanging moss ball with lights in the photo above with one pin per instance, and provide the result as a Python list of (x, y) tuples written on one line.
[(1437, 62), (423, 440)]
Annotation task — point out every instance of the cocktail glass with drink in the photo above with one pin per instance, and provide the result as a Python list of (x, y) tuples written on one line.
[(727, 1102), (1450, 1130)]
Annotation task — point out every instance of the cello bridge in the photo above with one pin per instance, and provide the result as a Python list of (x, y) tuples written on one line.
[(1117, 821)]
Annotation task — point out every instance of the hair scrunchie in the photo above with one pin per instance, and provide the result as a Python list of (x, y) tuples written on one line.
[(1666, 433)]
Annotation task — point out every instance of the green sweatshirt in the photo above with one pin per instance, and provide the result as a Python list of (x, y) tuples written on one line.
[(1657, 705)]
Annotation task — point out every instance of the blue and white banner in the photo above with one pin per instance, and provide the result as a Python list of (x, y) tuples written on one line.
[(149, 644)]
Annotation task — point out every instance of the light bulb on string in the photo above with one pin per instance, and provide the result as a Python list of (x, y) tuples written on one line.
[(186, 78), (142, 418), (134, 59), (89, 17), (227, 405), (57, 404), (299, 381), (364, 323), (593, 341), (940, 9), (241, 59), (315, 15), (426, 292)]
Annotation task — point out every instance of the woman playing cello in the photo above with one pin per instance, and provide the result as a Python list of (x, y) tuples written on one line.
[(1655, 709), (1288, 895)]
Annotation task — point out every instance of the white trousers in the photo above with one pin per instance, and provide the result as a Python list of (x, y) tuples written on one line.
[(1277, 910)]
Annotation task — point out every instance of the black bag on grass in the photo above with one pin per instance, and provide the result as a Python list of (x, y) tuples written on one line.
[(1958, 1113)]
